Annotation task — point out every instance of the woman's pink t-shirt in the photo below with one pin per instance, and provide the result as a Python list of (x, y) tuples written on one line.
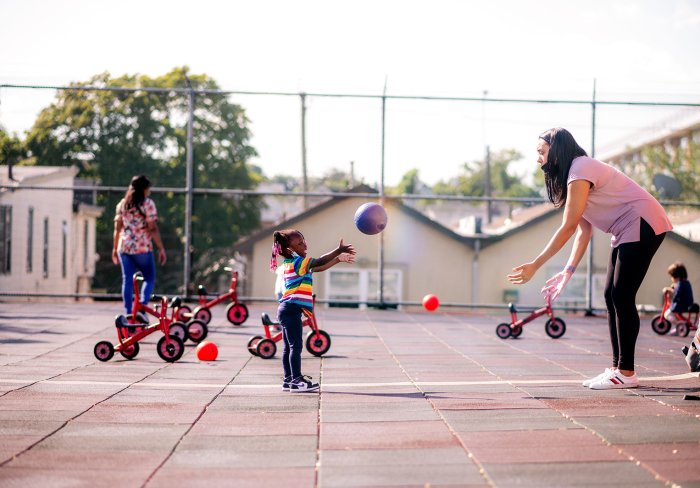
[(135, 237), (616, 203)]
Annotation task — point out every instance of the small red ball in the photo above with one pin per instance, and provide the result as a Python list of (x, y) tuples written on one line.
[(431, 303), (207, 351)]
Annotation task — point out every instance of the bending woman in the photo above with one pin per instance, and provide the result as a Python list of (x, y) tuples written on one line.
[(596, 194)]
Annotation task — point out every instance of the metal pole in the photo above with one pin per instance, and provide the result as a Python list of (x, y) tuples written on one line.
[(487, 190), (189, 196), (381, 202), (304, 177), (589, 273)]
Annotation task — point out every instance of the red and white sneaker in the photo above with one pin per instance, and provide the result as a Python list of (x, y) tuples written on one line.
[(615, 381), (604, 374)]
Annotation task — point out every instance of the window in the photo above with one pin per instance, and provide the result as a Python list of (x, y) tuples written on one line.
[(362, 285), (5, 239), (46, 248), (30, 240), (64, 249)]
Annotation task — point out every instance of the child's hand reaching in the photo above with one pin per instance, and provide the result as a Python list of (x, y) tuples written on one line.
[(346, 258), (345, 248)]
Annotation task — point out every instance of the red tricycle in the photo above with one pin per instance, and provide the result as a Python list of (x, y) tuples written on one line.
[(194, 330), (687, 321), (170, 347), (318, 342), (555, 327), (236, 312)]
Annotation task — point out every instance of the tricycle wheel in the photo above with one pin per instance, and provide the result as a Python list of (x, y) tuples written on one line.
[(131, 351), (104, 350), (660, 325), (318, 343), (203, 314), (683, 329), (555, 328), (516, 331), (170, 350), (503, 330), (237, 313), (184, 313), (197, 330), (253, 345), (266, 348), (180, 330)]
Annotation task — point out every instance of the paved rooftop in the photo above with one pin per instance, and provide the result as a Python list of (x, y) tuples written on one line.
[(408, 398)]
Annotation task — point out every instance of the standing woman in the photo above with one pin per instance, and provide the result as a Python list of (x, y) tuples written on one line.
[(596, 194), (135, 225)]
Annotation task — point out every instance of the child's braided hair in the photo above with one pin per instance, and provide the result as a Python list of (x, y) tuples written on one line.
[(280, 245)]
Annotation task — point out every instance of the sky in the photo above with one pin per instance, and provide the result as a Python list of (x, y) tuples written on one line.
[(644, 50)]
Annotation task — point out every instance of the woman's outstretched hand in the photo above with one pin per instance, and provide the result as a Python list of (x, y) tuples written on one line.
[(522, 274), (556, 284), (345, 248)]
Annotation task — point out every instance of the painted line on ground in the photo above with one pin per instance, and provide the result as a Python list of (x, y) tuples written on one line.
[(11, 381)]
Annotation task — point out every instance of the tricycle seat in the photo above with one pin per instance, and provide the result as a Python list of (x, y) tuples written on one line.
[(266, 320)]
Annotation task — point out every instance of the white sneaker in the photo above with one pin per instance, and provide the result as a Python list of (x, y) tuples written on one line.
[(303, 383), (616, 381), (604, 374)]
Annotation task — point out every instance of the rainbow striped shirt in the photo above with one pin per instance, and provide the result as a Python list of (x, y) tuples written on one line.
[(298, 283)]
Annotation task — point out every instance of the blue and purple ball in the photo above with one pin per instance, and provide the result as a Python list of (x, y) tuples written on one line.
[(370, 218)]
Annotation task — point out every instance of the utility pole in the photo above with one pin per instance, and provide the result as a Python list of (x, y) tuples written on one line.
[(304, 178), (487, 165), (487, 161)]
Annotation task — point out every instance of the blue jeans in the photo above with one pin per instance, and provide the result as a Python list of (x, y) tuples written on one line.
[(131, 263), (289, 316)]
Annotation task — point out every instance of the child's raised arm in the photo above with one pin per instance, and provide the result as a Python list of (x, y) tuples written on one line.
[(342, 258), (319, 263)]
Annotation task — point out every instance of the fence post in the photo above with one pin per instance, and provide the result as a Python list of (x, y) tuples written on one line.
[(381, 202), (187, 265), (589, 273)]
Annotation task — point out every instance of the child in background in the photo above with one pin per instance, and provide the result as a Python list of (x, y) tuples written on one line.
[(298, 296), (682, 297)]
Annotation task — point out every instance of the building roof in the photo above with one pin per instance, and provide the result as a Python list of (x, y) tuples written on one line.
[(247, 242), (29, 175)]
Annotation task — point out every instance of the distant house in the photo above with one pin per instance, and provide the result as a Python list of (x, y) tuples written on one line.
[(47, 237), (421, 256), (525, 235)]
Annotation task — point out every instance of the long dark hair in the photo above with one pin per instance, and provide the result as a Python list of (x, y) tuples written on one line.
[(563, 149), (136, 194)]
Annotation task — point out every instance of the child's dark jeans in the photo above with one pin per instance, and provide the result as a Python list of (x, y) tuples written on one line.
[(289, 316)]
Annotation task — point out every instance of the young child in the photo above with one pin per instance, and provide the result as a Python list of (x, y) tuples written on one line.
[(298, 296), (682, 298)]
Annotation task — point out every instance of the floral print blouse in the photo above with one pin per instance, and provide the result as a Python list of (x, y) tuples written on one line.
[(135, 237)]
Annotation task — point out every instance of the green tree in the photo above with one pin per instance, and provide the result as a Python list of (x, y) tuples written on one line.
[(471, 180), (682, 163), (12, 149), (113, 135), (409, 183)]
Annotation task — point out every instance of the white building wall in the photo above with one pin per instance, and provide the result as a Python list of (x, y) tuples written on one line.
[(57, 206)]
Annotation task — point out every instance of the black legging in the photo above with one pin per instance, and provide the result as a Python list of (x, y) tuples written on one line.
[(627, 267)]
